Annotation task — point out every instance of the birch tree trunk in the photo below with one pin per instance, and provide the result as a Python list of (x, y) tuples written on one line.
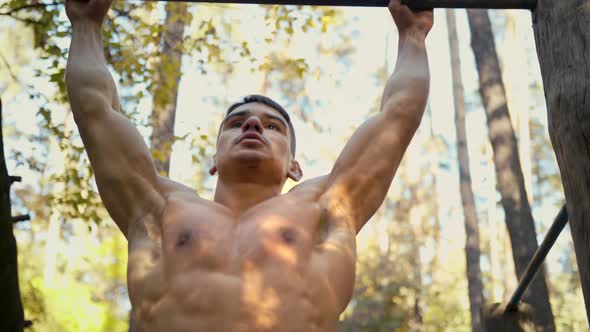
[(510, 179), (165, 90), (472, 251), (562, 36)]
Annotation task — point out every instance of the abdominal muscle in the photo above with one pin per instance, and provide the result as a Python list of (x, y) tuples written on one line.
[(260, 299)]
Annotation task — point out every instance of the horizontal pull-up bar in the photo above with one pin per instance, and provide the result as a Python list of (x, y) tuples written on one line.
[(416, 4)]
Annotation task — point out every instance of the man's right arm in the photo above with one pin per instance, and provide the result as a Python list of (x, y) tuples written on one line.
[(127, 180)]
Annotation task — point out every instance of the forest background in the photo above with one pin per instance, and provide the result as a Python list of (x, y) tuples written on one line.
[(327, 66)]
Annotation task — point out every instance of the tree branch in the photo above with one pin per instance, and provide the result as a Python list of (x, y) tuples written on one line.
[(27, 6), (10, 72), (24, 20)]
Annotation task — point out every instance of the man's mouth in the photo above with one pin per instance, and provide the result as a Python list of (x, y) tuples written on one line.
[(251, 137)]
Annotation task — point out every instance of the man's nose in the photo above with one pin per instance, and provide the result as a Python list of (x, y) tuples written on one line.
[(252, 123)]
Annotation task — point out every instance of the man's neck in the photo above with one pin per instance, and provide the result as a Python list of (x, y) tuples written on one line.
[(239, 197)]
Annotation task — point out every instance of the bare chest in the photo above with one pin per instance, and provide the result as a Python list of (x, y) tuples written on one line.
[(201, 236), (206, 263)]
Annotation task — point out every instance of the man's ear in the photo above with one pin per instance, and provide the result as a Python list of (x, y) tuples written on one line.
[(294, 171), (213, 168)]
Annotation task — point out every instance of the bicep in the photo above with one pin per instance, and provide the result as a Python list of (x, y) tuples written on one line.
[(365, 168), (125, 173)]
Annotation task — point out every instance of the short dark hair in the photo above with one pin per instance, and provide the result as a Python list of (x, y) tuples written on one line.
[(268, 102)]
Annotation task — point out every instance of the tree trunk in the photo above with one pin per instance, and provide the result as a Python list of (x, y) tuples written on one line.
[(11, 316), (165, 90), (509, 283), (415, 218), (490, 246), (433, 198), (472, 251), (517, 210), (563, 44)]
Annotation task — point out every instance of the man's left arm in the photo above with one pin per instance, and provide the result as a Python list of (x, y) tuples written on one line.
[(363, 172)]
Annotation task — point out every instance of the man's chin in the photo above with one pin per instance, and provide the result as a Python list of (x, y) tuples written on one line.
[(250, 155)]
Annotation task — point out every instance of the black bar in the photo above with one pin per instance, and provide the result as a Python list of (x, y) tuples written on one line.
[(14, 179), (415, 4), (473, 4), (24, 217), (537, 260)]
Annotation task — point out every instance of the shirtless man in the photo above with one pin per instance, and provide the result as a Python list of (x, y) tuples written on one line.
[(252, 259)]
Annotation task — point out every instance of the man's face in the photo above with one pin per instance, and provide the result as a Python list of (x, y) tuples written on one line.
[(252, 134)]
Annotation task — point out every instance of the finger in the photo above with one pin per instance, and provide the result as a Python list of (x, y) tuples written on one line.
[(397, 8), (415, 6), (394, 5)]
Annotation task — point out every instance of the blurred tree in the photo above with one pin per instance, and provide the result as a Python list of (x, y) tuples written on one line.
[(436, 146), (518, 214), (165, 84), (472, 251)]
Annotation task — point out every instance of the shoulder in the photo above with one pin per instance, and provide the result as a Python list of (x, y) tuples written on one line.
[(331, 201), (169, 187), (315, 185), (171, 191)]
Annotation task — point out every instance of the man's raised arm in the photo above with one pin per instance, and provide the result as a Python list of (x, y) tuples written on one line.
[(359, 181), (125, 173)]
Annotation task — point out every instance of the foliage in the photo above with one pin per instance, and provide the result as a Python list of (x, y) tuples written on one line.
[(91, 279)]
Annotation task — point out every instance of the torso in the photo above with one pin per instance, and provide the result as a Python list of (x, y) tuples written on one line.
[(287, 264)]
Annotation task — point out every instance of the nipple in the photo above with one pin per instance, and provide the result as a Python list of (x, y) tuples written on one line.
[(183, 239), (288, 235)]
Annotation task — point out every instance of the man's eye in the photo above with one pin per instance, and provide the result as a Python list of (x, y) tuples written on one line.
[(272, 127), (236, 124)]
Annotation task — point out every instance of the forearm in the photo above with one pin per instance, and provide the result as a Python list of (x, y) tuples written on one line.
[(89, 84), (407, 89)]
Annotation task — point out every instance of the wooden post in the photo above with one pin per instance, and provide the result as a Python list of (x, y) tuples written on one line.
[(562, 36), (11, 314), (518, 320)]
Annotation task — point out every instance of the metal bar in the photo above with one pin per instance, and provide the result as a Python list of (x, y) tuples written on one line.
[(415, 4), (538, 258), (472, 4), (24, 217), (14, 179)]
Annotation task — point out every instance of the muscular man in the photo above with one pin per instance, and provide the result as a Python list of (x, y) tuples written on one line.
[(252, 259)]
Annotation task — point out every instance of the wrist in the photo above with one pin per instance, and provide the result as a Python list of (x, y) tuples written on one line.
[(413, 33), (86, 25)]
